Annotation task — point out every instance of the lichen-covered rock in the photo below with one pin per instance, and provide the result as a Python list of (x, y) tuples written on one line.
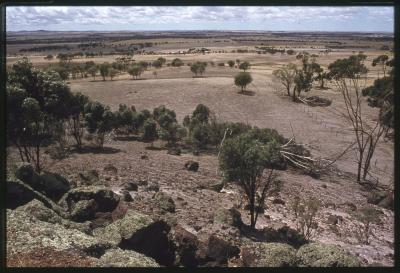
[(321, 255), (30, 233), (192, 165), (215, 186), (40, 211), (269, 255), (105, 200), (19, 193), (126, 196), (130, 186), (281, 233), (164, 201), (54, 185), (230, 217), (124, 228), (50, 184), (374, 197), (153, 187), (89, 178), (26, 173), (125, 258), (83, 210), (138, 232), (110, 168)]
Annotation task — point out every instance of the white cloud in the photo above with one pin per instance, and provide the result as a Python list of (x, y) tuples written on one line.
[(52, 17)]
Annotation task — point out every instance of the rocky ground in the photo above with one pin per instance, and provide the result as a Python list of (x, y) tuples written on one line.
[(133, 206)]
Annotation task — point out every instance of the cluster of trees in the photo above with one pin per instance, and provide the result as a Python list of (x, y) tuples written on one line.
[(43, 110), (198, 67), (297, 80)]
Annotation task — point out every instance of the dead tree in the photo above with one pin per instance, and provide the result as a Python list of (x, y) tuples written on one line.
[(349, 79)]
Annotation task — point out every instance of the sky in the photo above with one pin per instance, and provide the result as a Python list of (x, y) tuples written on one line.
[(141, 18)]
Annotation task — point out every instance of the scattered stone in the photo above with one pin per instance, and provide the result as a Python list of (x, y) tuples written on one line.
[(257, 208), (126, 196), (216, 185), (374, 197), (125, 258), (283, 234), (387, 202), (144, 156), (269, 255), (192, 165), (142, 182), (89, 178), (230, 217), (350, 206), (334, 219), (219, 250), (110, 168), (186, 246), (321, 255), (164, 201), (324, 186), (278, 201), (153, 187), (130, 186), (174, 151)]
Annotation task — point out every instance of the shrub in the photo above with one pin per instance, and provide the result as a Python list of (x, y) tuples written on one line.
[(245, 66), (176, 62), (305, 212)]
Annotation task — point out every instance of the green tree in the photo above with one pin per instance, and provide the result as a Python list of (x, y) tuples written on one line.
[(176, 62), (36, 103), (99, 120), (162, 60), (93, 71), (77, 112), (112, 73), (135, 71), (287, 75), (157, 64), (104, 70), (245, 66), (231, 63), (150, 130), (243, 159), (242, 80), (382, 61)]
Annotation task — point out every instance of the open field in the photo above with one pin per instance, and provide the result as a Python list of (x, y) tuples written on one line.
[(321, 129)]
